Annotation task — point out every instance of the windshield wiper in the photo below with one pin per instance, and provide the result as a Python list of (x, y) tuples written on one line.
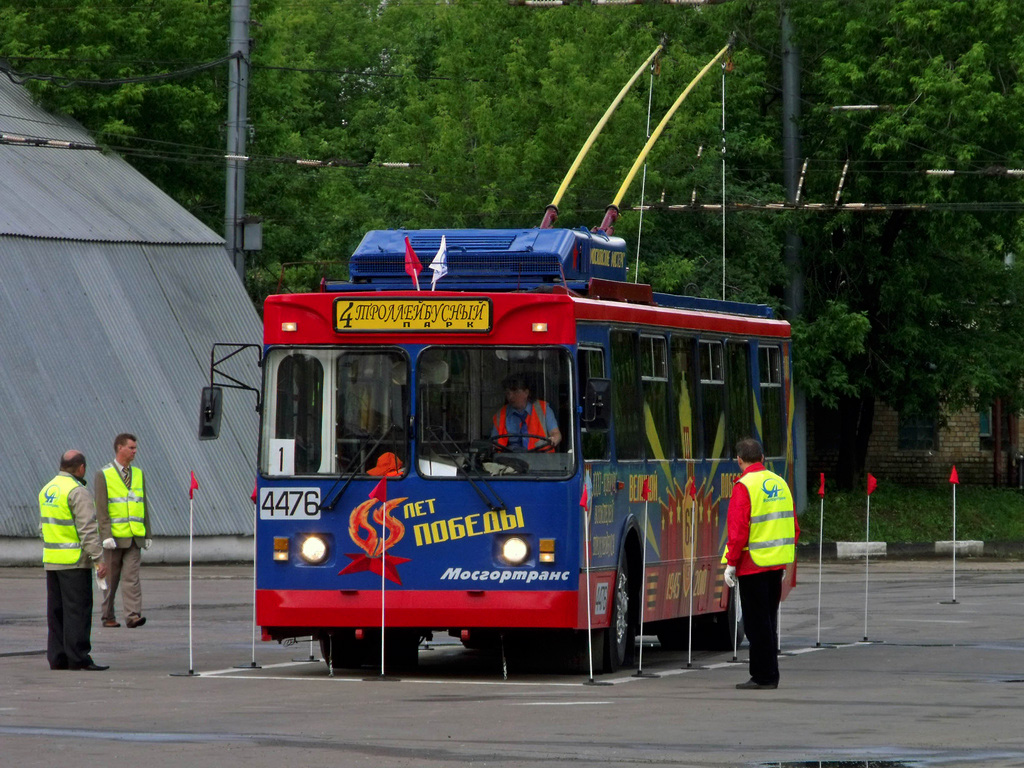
[(330, 504), (438, 435)]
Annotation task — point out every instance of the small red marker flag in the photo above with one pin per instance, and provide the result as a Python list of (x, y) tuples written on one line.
[(255, 486), (380, 491), (412, 264), (953, 476), (583, 497), (645, 492), (821, 488), (872, 483), (693, 489), (193, 485)]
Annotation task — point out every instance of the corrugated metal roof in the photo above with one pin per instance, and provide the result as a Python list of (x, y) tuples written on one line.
[(79, 194), (101, 337)]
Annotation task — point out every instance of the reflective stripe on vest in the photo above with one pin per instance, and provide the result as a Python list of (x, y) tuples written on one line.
[(61, 544), (126, 506), (534, 426)]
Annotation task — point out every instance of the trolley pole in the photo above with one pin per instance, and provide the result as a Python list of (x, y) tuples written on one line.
[(237, 125)]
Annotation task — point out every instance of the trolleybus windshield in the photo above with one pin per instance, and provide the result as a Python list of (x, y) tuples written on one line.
[(496, 411), (335, 411)]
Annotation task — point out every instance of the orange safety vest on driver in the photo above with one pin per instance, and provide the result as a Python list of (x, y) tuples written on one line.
[(534, 426)]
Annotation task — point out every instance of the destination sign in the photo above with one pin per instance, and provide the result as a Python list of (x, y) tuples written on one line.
[(430, 315)]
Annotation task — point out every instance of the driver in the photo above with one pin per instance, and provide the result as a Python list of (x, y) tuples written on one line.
[(524, 424)]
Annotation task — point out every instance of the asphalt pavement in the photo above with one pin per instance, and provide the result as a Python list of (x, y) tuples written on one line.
[(938, 683)]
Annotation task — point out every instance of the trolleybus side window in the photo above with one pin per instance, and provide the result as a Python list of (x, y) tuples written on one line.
[(741, 399), (626, 395), (685, 397), (299, 408), (594, 432), (654, 376), (712, 399), (770, 374)]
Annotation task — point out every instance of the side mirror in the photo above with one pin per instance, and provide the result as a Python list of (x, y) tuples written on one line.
[(595, 403), (209, 413)]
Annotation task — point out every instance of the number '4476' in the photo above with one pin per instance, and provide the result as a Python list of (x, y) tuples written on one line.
[(290, 503)]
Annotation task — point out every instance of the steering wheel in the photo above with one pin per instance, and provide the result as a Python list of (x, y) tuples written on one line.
[(499, 448)]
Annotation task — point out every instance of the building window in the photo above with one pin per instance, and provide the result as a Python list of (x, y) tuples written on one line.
[(986, 440), (918, 433)]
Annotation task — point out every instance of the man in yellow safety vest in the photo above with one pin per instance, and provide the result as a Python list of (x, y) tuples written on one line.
[(71, 548), (123, 513), (762, 541)]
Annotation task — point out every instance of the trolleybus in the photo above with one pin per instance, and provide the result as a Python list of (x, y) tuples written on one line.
[(391, 500)]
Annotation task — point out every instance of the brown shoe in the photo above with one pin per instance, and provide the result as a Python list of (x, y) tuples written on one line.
[(111, 623), (133, 623)]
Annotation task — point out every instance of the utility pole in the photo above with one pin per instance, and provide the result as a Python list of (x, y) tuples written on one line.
[(791, 250), (237, 125)]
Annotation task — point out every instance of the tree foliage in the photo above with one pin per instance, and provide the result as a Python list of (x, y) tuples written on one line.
[(487, 104)]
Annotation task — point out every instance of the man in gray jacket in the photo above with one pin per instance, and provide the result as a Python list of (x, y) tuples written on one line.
[(71, 548)]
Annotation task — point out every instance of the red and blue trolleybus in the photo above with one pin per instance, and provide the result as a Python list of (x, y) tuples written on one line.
[(380, 378)]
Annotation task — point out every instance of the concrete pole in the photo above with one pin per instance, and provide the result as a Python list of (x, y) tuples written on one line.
[(237, 125), (791, 156)]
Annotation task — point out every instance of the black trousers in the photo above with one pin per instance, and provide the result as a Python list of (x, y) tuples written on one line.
[(759, 597), (69, 618)]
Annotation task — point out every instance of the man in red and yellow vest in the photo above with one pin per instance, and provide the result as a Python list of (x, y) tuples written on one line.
[(523, 424), (71, 548), (763, 532), (123, 514)]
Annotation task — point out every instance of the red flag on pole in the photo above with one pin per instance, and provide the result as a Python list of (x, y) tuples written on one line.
[(645, 492), (380, 491), (872, 483), (821, 488), (193, 485), (583, 497), (255, 486), (693, 489), (412, 264), (953, 476)]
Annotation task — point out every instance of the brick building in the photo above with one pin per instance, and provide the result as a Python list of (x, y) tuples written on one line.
[(983, 447)]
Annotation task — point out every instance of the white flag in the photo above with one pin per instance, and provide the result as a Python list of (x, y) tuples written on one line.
[(440, 264)]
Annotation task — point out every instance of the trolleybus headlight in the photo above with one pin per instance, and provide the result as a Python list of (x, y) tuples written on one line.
[(515, 551), (313, 550)]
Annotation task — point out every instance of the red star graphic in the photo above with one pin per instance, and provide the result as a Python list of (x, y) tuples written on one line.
[(361, 562)]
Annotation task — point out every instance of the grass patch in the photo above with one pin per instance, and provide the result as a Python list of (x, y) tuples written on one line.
[(911, 514)]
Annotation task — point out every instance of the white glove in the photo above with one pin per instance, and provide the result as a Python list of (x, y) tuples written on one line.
[(109, 544), (730, 576), (148, 544)]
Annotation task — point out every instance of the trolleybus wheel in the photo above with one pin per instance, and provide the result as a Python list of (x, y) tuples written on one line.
[(620, 637)]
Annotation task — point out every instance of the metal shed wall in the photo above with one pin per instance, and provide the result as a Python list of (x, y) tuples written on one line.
[(111, 296)]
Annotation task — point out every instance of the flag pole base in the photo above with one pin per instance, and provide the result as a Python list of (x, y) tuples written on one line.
[(250, 665), (592, 681), (948, 602), (382, 679), (190, 673), (641, 673)]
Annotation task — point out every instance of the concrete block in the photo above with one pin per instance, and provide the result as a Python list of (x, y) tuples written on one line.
[(967, 548), (855, 549)]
